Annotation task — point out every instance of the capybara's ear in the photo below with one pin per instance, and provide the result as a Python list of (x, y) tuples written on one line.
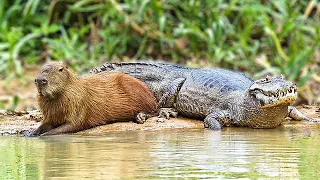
[(61, 68)]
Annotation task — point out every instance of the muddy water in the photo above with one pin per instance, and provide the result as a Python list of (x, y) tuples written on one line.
[(290, 152)]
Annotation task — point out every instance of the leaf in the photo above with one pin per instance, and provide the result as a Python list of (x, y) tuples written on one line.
[(4, 46), (31, 7), (142, 8), (277, 43), (21, 42), (76, 6)]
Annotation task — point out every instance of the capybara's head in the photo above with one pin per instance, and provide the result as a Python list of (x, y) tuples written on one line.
[(52, 79)]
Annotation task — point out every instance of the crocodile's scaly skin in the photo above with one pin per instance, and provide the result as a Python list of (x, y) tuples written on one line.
[(219, 97)]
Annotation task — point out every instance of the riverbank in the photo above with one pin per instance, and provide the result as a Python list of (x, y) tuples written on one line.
[(16, 123)]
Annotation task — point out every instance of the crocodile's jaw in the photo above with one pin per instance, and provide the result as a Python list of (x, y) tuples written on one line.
[(255, 116), (268, 117), (284, 98)]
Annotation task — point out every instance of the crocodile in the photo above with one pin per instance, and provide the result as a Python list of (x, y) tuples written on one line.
[(217, 96)]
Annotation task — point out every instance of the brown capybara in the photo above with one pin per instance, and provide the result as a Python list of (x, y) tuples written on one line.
[(70, 103)]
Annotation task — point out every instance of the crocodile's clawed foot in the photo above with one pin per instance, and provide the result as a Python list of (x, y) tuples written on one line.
[(212, 124), (167, 112), (161, 120), (298, 116), (213, 120), (312, 120), (141, 117)]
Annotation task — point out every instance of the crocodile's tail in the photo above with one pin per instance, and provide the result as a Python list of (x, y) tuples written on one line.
[(137, 67), (126, 67), (145, 71), (104, 67)]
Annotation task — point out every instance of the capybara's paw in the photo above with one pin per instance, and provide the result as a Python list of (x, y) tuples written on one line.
[(167, 112), (141, 117), (29, 134)]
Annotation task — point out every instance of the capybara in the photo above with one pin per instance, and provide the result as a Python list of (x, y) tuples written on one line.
[(70, 103)]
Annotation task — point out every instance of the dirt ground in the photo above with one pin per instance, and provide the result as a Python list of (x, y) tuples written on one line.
[(19, 122)]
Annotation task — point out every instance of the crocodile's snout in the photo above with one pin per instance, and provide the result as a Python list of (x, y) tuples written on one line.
[(286, 96), (275, 91)]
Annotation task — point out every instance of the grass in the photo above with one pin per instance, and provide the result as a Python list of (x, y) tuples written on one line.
[(257, 37)]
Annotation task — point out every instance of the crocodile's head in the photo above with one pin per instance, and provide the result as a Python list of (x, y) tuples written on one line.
[(273, 91)]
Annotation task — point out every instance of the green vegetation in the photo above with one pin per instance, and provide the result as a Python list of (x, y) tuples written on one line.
[(258, 37)]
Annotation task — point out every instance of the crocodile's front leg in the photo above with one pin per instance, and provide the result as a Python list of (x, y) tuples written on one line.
[(297, 115), (166, 102), (171, 90), (216, 119), (167, 113)]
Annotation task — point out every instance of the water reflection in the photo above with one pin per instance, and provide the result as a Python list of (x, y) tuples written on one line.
[(198, 153)]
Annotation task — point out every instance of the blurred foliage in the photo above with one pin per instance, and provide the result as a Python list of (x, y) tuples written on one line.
[(256, 36)]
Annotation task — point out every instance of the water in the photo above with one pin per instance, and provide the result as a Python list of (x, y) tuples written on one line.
[(282, 153)]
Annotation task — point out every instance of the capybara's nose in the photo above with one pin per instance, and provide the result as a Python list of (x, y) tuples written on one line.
[(41, 81)]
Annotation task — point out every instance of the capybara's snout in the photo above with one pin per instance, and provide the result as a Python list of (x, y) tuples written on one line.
[(40, 81)]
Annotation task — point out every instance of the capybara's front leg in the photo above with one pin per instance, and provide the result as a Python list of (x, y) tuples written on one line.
[(63, 129), (45, 127)]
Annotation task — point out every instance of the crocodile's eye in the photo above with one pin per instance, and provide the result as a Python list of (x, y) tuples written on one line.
[(268, 78), (263, 81)]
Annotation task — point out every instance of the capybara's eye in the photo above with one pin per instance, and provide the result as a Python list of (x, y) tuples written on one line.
[(61, 69)]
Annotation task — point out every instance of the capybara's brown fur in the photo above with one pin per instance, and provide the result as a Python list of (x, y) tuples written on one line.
[(70, 103)]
